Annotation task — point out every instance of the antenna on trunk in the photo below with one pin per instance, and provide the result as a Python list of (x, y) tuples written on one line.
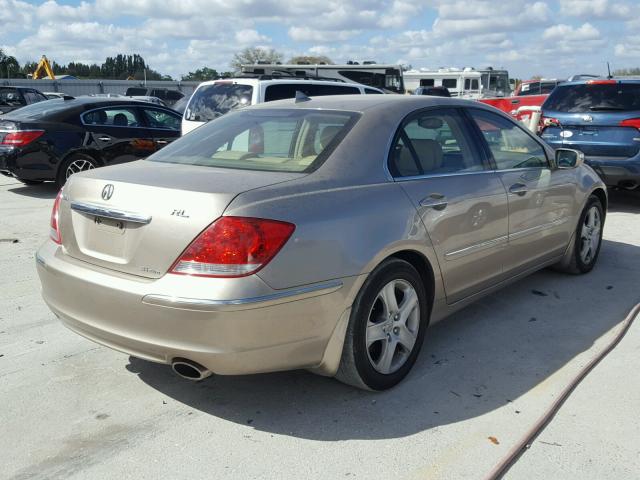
[(609, 71)]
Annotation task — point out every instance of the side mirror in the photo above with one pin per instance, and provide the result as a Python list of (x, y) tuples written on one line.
[(569, 158)]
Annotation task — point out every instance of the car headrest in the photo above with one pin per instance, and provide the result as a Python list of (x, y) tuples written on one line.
[(120, 119)]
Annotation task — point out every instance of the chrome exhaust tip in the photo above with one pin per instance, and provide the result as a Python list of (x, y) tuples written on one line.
[(190, 370)]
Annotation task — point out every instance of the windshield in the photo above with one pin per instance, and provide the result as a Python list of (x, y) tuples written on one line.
[(38, 110), (10, 97), (211, 101), (272, 140), (594, 97)]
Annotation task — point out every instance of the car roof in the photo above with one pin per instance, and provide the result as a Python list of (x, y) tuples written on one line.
[(366, 103), (258, 81), (623, 80)]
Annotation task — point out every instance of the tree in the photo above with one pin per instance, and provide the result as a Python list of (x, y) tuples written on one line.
[(8, 65), (311, 60), (255, 55), (625, 72), (201, 75)]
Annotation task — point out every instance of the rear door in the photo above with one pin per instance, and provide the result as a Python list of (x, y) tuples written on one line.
[(118, 134), (460, 199), (163, 125), (588, 117), (540, 196)]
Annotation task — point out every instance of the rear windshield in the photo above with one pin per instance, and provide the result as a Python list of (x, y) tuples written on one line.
[(280, 140), (592, 98), (10, 97), (211, 101), (38, 110)]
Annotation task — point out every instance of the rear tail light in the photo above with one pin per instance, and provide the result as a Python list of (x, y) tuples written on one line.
[(601, 82), (54, 233), (233, 247), (631, 122), (20, 138)]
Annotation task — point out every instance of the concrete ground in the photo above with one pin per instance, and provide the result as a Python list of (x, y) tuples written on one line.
[(73, 409)]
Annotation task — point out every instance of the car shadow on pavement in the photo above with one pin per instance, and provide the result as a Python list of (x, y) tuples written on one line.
[(43, 190), (480, 359), (624, 201)]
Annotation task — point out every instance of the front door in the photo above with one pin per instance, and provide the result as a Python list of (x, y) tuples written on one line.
[(163, 125), (118, 134), (461, 201), (541, 197)]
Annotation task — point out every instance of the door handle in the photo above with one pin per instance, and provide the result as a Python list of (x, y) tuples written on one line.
[(519, 189), (104, 139), (436, 201), (161, 142)]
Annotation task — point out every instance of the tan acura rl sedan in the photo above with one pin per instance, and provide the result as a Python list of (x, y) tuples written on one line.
[(324, 234)]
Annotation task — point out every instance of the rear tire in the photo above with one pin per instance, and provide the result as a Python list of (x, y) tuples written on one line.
[(588, 239), (386, 328), (74, 164)]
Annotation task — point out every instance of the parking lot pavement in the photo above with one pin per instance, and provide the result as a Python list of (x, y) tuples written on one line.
[(73, 409)]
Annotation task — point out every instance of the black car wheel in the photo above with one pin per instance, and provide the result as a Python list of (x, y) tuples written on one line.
[(74, 164), (386, 328)]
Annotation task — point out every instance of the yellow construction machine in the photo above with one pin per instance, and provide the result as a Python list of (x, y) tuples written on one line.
[(43, 68)]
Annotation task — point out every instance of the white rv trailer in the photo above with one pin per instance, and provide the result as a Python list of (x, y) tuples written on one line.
[(461, 83), (386, 77)]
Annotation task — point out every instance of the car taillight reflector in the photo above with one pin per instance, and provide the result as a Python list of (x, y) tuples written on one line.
[(54, 232), (631, 122), (233, 247), (601, 82), (20, 138)]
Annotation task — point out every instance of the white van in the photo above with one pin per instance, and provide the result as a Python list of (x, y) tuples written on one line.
[(215, 98)]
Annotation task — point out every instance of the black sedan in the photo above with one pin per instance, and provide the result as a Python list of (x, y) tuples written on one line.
[(12, 98), (54, 139)]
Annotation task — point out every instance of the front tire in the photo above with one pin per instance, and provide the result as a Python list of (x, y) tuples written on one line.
[(386, 328), (588, 239), (74, 164)]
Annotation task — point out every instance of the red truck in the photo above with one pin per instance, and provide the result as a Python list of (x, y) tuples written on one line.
[(527, 98)]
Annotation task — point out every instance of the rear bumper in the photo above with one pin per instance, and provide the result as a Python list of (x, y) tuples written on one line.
[(157, 320), (617, 172), (17, 163)]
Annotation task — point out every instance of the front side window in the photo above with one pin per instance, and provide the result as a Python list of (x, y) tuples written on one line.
[(112, 117), (432, 143), (510, 145), (283, 140), (161, 119), (212, 101)]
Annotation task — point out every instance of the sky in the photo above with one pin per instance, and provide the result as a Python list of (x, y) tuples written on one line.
[(552, 38)]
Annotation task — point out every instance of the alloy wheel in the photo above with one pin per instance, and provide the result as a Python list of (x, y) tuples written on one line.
[(392, 326), (590, 235), (79, 165)]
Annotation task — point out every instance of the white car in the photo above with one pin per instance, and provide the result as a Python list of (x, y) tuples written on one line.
[(217, 97)]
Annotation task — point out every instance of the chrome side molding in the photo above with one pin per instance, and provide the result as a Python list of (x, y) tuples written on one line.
[(105, 212)]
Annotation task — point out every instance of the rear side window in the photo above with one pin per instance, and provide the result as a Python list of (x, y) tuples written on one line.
[(271, 140), (584, 98), (136, 91), (112, 117), (288, 90), (510, 145), (211, 101)]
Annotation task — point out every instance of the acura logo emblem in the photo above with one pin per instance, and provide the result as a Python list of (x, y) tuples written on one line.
[(107, 191), (587, 118)]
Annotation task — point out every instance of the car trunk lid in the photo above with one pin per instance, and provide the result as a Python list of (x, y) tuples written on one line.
[(137, 218)]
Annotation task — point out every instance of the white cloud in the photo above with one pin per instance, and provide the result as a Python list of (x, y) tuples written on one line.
[(595, 8)]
